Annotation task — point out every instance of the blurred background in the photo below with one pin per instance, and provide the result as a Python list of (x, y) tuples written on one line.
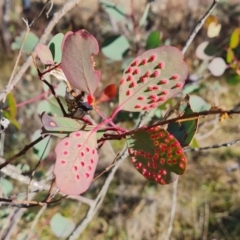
[(208, 196)]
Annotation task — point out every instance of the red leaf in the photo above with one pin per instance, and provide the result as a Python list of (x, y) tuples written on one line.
[(156, 154), (77, 61), (108, 93), (76, 161)]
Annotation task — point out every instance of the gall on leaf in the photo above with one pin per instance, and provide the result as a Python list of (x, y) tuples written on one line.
[(152, 78), (76, 161), (108, 93), (77, 63), (44, 54), (156, 154)]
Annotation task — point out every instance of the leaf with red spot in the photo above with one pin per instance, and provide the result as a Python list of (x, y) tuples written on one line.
[(108, 93), (76, 162), (152, 78), (77, 61), (156, 154), (62, 126)]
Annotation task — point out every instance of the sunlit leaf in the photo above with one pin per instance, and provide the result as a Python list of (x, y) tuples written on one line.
[(77, 60), (153, 40), (184, 131), (214, 29), (235, 38), (76, 161), (217, 66), (62, 126), (151, 79)]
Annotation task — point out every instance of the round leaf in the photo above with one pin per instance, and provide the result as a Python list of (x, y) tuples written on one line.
[(217, 66), (55, 46), (214, 29), (156, 154), (153, 40), (116, 48), (77, 61), (151, 79), (198, 104), (76, 161), (61, 226), (29, 44)]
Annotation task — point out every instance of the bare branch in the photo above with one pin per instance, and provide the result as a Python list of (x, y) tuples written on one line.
[(173, 210), (57, 16), (199, 26)]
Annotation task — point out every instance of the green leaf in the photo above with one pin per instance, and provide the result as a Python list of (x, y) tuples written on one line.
[(6, 186), (30, 43), (13, 121), (156, 154), (233, 79), (115, 47), (115, 11), (198, 104), (184, 131), (230, 55), (12, 105), (61, 226), (153, 40), (235, 38), (190, 88), (51, 106), (55, 46), (62, 126), (210, 50), (41, 149)]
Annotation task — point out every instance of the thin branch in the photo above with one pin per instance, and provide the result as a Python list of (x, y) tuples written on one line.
[(173, 210), (199, 26), (227, 144), (14, 173), (23, 151), (56, 17), (36, 219)]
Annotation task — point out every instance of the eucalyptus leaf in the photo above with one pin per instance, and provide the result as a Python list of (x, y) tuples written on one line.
[(42, 148), (61, 226), (29, 44), (115, 47)]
